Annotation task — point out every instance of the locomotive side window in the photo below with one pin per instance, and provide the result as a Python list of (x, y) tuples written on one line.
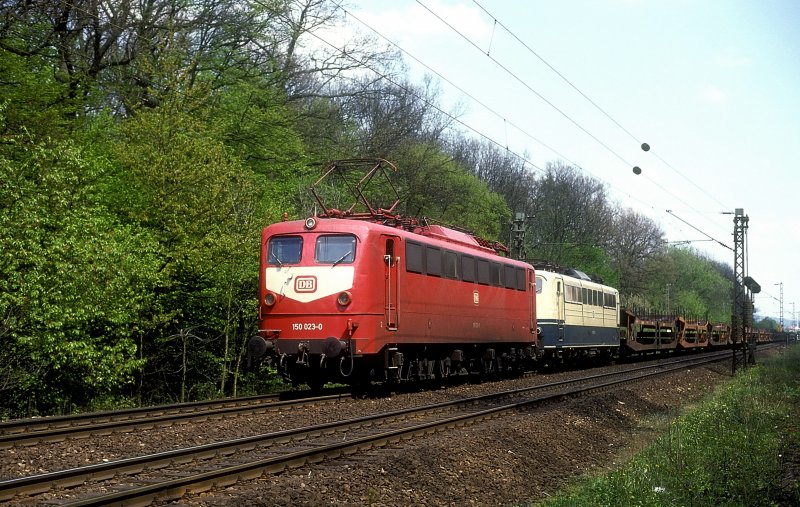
[(450, 265), (585, 295), (433, 261), (539, 283), (520, 279), (483, 271), (284, 250), (336, 249), (468, 268), (509, 277), (496, 274), (414, 262)]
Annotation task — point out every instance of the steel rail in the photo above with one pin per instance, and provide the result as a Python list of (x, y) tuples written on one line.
[(33, 424), (66, 478), (155, 418)]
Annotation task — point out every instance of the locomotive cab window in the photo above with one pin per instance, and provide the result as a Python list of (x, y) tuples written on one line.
[(520, 278), (284, 250), (335, 249)]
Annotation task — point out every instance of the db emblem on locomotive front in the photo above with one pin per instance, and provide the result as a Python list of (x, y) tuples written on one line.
[(305, 284)]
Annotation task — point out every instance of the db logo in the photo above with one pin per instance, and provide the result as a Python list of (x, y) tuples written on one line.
[(305, 284)]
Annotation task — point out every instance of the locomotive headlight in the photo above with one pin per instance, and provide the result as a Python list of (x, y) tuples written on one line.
[(344, 298), (269, 299), (311, 222)]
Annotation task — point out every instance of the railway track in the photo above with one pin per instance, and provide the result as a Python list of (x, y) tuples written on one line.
[(55, 429), (169, 475)]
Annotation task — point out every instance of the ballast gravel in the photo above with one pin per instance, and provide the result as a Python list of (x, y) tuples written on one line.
[(515, 459)]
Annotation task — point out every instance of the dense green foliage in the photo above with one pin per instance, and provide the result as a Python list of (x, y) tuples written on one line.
[(142, 149), (72, 294), (727, 451)]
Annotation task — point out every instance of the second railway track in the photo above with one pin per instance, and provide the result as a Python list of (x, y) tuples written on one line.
[(54, 429)]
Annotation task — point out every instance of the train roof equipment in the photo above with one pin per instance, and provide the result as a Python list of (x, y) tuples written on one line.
[(575, 273), (368, 189)]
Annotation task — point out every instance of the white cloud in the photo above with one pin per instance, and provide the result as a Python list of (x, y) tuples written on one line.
[(715, 95)]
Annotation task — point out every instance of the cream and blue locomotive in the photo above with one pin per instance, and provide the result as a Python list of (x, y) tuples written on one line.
[(576, 315)]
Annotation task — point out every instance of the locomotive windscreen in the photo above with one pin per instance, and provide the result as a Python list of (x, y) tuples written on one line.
[(335, 249), (284, 250)]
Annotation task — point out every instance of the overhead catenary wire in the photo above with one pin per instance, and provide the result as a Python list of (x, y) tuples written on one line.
[(553, 106), (444, 78), (499, 115), (528, 86), (476, 100), (597, 106), (592, 102), (424, 99), (700, 231)]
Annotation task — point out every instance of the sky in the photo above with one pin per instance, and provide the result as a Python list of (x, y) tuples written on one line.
[(712, 86)]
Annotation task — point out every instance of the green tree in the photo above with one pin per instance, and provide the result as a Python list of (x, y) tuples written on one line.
[(32, 100), (74, 282), (572, 217), (432, 184), (694, 283), (180, 182), (768, 323)]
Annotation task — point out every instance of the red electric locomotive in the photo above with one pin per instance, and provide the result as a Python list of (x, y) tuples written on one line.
[(370, 296)]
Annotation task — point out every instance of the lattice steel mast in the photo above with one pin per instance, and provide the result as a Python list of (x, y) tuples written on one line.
[(740, 296)]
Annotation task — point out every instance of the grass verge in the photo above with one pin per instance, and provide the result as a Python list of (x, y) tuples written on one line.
[(727, 451)]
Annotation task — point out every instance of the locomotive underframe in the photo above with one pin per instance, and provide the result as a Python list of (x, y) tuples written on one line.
[(401, 363)]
